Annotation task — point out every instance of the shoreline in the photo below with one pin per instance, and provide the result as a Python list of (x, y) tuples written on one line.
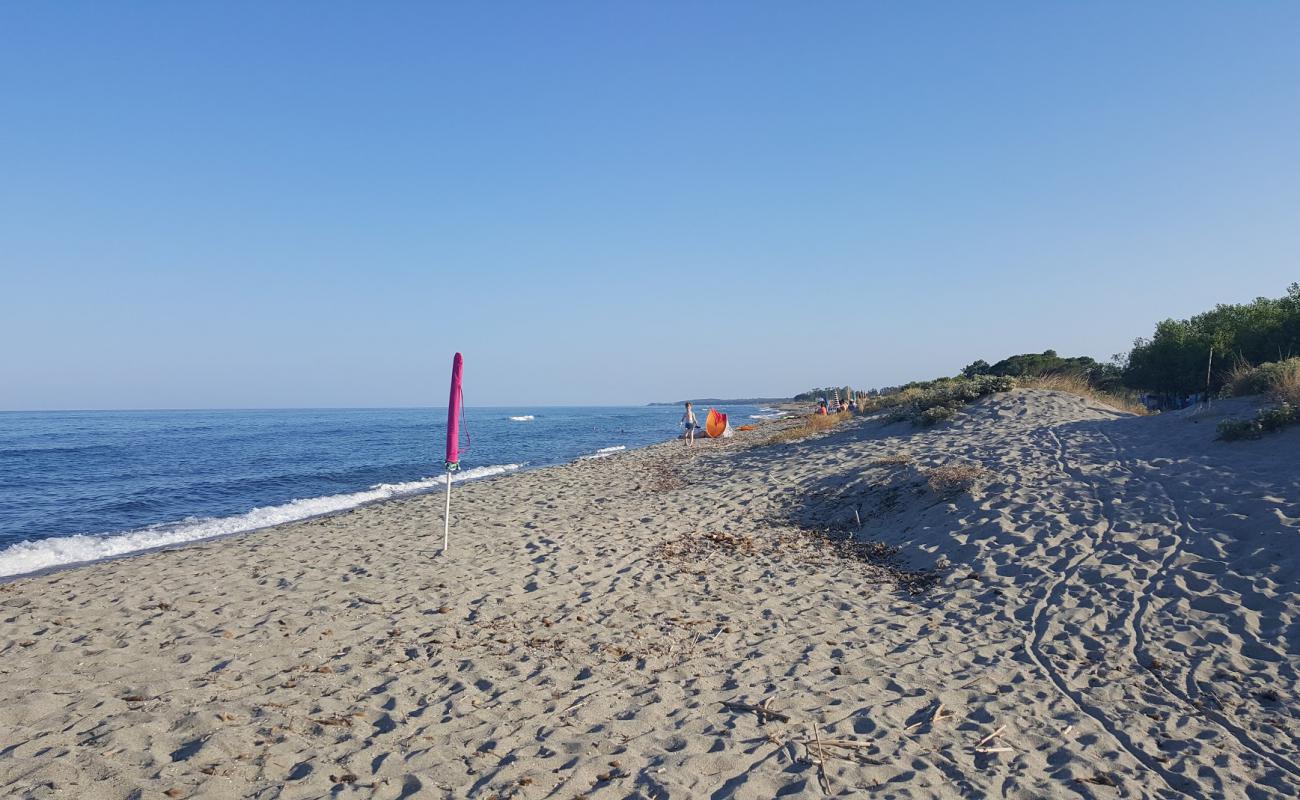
[(164, 527), (167, 527)]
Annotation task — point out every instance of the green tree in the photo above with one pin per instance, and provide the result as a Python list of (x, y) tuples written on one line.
[(1174, 359), (977, 367)]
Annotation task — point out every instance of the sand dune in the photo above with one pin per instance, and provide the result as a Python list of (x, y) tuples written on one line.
[(1108, 609)]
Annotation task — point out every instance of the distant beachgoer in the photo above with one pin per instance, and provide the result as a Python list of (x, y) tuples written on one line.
[(853, 406), (690, 423), (821, 407)]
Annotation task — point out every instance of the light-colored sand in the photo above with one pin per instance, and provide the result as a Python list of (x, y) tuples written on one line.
[(1117, 597)]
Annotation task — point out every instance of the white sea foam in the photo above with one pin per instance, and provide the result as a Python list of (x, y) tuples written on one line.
[(524, 418), (28, 556), (603, 452)]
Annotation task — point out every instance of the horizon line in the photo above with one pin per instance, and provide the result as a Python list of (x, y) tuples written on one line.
[(342, 408)]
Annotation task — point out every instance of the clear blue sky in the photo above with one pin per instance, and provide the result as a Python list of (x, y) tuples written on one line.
[(315, 204)]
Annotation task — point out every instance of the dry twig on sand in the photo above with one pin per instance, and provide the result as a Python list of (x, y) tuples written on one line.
[(990, 737), (940, 713), (824, 749), (820, 761), (763, 710)]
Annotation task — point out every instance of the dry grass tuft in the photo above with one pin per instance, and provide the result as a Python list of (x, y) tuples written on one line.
[(1243, 379), (813, 424), (893, 460), (705, 544), (1071, 383), (662, 476), (809, 548), (1286, 382), (958, 477)]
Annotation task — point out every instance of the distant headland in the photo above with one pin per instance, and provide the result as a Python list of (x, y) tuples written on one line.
[(743, 401)]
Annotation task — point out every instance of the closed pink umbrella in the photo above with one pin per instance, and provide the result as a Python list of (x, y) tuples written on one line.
[(453, 439)]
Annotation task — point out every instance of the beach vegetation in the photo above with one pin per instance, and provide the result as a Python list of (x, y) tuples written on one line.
[(956, 477), (927, 403), (936, 414), (1285, 384), (1206, 352), (893, 460), (930, 402), (1274, 377), (1266, 420), (1100, 376), (1210, 352), (1275, 418), (1231, 430), (1277, 380), (1078, 384), (811, 424)]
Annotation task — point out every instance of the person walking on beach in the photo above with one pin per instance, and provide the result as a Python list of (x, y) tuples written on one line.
[(690, 423)]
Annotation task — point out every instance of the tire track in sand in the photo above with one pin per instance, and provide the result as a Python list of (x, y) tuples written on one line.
[(1040, 622), (1140, 650)]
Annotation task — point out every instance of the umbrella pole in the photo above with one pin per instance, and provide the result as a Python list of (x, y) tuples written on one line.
[(446, 516)]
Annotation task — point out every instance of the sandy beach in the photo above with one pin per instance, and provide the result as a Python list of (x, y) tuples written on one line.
[(1043, 598)]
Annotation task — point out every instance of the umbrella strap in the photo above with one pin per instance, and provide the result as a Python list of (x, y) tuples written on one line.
[(469, 440)]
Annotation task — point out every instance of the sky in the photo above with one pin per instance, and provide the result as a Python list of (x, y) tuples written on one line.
[(313, 204)]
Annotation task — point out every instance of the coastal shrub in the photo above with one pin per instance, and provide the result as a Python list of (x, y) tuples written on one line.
[(912, 401), (1242, 380), (895, 399), (1273, 376), (1232, 430), (897, 414), (937, 414), (929, 402), (1277, 417), (1267, 420)]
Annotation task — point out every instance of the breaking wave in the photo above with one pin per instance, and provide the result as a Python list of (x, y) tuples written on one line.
[(603, 452)]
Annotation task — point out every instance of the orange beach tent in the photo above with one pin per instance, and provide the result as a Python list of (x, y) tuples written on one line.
[(715, 424)]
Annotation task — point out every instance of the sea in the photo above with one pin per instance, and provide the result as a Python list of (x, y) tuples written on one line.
[(79, 486)]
